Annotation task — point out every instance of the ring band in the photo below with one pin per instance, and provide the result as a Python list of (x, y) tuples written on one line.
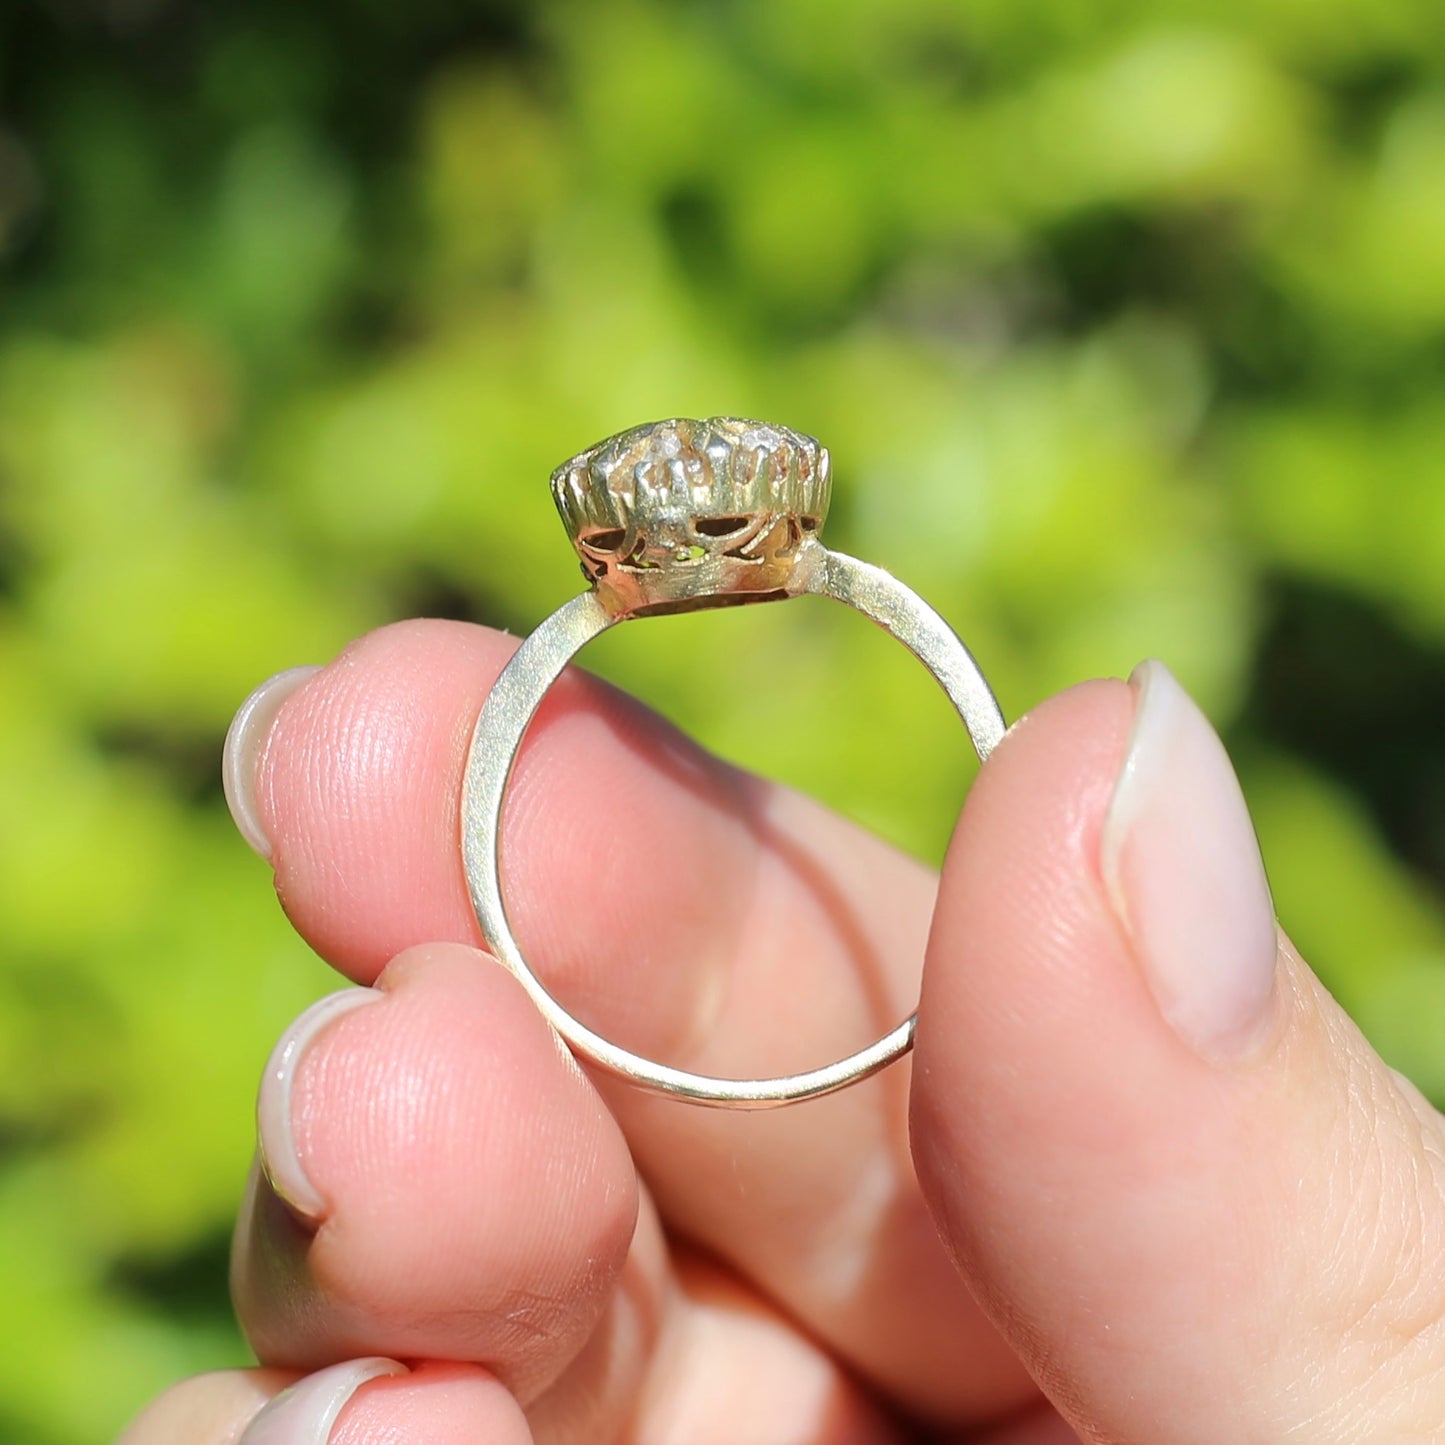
[(678, 516)]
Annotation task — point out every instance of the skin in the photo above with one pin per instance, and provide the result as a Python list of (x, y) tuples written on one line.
[(1057, 1222)]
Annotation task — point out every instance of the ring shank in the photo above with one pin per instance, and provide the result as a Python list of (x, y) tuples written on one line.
[(497, 740)]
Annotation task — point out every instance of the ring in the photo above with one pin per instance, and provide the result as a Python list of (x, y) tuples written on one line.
[(678, 516)]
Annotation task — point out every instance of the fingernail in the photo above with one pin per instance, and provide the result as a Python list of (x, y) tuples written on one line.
[(246, 741), (1182, 866), (275, 1127), (304, 1413)]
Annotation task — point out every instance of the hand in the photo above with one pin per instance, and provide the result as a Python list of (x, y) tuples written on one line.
[(1158, 1172)]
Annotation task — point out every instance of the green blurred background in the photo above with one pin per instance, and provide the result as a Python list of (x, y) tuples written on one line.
[(1125, 323)]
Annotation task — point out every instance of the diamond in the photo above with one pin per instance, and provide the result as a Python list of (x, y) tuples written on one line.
[(682, 514)]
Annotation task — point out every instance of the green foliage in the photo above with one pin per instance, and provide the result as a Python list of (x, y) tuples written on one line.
[(1123, 323)]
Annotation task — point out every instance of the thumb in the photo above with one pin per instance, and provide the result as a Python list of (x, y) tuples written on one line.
[(1174, 1172)]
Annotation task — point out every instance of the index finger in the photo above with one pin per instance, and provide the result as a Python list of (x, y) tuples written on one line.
[(686, 910)]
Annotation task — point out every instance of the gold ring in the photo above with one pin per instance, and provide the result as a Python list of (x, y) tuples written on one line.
[(677, 516)]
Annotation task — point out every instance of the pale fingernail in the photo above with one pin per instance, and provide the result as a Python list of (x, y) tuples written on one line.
[(275, 1123), (246, 741), (1182, 865), (304, 1413)]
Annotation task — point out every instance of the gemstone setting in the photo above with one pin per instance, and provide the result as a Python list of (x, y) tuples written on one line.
[(683, 513)]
